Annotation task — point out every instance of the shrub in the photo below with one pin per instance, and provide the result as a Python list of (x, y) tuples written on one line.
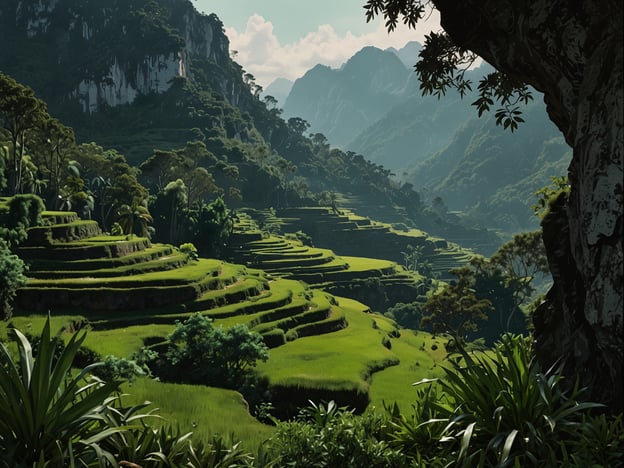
[(274, 338), (214, 355), (12, 277), (329, 436), (385, 341), (115, 368), (190, 250), (503, 410)]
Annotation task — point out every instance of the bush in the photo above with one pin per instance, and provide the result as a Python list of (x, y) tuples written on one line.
[(115, 368), (329, 436), (12, 277), (385, 341), (407, 315), (214, 355), (190, 250), (274, 338), (503, 410)]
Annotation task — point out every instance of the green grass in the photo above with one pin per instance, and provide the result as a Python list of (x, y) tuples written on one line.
[(190, 273), (417, 361), (202, 410), (123, 342), (33, 324), (367, 264), (339, 360)]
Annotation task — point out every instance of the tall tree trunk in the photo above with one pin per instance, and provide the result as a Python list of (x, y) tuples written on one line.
[(572, 52)]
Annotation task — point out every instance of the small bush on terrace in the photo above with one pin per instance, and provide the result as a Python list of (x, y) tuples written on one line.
[(214, 355)]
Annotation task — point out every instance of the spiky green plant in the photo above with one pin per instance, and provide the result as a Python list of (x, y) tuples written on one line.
[(503, 410), (48, 412)]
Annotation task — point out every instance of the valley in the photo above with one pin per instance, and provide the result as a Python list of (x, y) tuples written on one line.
[(359, 268)]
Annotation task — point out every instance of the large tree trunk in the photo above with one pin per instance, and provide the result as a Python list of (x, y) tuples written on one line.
[(572, 52)]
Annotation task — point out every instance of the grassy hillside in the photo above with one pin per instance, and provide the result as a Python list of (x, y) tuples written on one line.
[(129, 292)]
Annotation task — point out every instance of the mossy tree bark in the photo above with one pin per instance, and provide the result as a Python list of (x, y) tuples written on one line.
[(572, 52)]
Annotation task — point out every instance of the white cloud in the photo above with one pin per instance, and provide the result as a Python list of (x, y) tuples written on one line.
[(261, 53)]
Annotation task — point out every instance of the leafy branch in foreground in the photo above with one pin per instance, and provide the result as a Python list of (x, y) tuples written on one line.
[(443, 64)]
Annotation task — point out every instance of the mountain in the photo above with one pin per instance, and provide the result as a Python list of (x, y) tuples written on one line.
[(279, 89), (339, 103), (93, 54), (440, 146), (153, 82), (412, 130), (408, 53), (373, 105), (491, 174)]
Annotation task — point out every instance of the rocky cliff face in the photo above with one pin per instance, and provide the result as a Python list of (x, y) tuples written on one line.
[(122, 85), (111, 52), (573, 53)]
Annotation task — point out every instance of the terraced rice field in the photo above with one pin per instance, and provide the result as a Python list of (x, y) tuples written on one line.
[(121, 283), (130, 292), (348, 234)]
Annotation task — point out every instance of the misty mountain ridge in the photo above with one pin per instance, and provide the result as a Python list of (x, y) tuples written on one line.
[(279, 88), (340, 103), (438, 145)]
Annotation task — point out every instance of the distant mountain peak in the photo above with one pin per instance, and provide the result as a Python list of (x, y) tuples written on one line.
[(408, 54), (371, 59), (340, 103)]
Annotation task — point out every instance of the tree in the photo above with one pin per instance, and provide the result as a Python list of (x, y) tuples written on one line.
[(54, 144), (116, 181), (522, 259), (11, 278), (134, 219), (20, 112), (573, 53), (214, 355), (215, 223), (455, 309), (17, 215), (298, 125), (412, 257), (167, 207)]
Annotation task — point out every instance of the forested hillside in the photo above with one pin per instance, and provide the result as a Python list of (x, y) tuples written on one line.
[(491, 175)]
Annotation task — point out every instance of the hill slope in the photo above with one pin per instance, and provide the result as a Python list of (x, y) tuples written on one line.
[(492, 174)]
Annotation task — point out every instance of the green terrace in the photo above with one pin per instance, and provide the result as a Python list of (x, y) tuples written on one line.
[(121, 281), (130, 293), (320, 268), (348, 234)]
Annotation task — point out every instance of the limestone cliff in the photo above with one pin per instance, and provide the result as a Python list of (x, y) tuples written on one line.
[(108, 53)]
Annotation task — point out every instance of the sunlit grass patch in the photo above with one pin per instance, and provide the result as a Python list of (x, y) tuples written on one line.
[(33, 324), (418, 360), (342, 359), (199, 409), (189, 273), (124, 342)]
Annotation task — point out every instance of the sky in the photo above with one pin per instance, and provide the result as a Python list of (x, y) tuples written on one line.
[(285, 38)]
